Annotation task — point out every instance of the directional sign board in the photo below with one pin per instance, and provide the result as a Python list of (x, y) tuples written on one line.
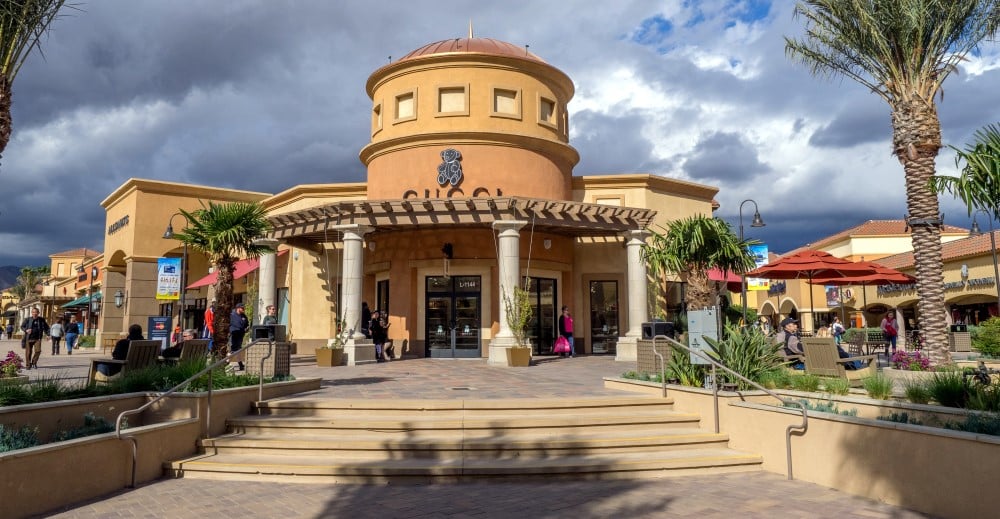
[(702, 323)]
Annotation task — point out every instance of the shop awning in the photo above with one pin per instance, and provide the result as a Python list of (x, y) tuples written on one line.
[(82, 301), (241, 268)]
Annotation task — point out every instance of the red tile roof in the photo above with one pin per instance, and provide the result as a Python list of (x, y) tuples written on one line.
[(871, 228), (85, 253), (964, 248)]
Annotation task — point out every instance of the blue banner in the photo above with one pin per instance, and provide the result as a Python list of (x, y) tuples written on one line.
[(760, 258), (168, 279)]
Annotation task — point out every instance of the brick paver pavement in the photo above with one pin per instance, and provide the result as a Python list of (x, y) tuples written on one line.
[(743, 495)]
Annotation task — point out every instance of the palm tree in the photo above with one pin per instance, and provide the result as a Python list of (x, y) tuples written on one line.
[(903, 50), (690, 247), (22, 24), (225, 233), (979, 184), (29, 280)]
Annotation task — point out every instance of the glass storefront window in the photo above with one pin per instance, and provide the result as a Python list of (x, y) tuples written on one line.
[(604, 316)]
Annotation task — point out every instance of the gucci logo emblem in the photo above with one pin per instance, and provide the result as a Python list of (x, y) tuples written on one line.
[(450, 171)]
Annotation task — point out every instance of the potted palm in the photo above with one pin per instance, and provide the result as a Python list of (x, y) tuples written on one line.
[(518, 316)]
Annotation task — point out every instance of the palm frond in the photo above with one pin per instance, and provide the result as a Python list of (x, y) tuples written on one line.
[(979, 183)]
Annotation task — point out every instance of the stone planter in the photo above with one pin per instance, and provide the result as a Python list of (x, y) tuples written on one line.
[(329, 357), (518, 357), (900, 376)]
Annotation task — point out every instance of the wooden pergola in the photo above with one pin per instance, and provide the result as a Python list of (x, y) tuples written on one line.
[(577, 219)]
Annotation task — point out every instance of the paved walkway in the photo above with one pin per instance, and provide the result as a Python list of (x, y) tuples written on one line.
[(744, 495)]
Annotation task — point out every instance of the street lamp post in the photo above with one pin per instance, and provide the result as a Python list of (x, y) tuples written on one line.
[(90, 297), (167, 235), (757, 222), (993, 248)]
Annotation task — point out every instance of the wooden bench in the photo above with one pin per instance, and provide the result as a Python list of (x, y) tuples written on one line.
[(823, 360), (141, 354), (191, 349)]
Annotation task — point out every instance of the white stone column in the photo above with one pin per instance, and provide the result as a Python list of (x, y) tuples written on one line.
[(509, 273), (357, 349), (627, 348), (268, 272)]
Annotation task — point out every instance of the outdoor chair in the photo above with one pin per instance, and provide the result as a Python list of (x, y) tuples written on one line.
[(856, 345), (875, 341), (141, 354), (108, 344), (194, 349), (822, 359)]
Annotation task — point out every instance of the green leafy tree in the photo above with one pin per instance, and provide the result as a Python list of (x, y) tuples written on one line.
[(690, 247), (903, 50), (225, 233), (979, 183), (22, 24)]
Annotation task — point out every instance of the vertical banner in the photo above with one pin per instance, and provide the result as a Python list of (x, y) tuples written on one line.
[(759, 252), (168, 279), (832, 296)]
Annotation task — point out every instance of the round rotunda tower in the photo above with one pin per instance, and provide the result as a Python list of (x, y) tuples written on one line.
[(469, 117)]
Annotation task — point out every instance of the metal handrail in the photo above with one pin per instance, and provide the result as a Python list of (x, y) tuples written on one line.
[(715, 393), (208, 411)]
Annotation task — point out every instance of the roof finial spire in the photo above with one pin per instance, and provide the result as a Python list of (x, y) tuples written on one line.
[(470, 29)]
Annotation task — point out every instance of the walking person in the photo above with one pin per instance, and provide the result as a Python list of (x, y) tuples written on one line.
[(56, 334), (890, 329), (72, 330), (566, 329), (838, 330), (34, 327), (380, 334), (239, 323), (366, 320)]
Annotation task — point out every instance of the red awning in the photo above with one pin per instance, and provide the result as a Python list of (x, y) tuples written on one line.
[(242, 268), (732, 280)]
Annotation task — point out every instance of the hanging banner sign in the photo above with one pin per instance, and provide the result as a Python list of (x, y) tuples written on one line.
[(168, 279), (759, 252), (832, 296)]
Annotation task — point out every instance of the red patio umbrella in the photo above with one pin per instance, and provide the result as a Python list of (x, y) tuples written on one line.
[(883, 276), (733, 280), (809, 265)]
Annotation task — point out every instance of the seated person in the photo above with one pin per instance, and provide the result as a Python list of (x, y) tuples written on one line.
[(120, 352), (824, 332), (788, 337), (844, 355), (174, 352)]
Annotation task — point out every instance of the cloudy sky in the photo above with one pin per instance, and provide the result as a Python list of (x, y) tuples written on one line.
[(264, 95)]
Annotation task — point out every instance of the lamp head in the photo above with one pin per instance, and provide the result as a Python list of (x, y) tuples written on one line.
[(975, 230), (169, 233), (757, 220), (119, 298)]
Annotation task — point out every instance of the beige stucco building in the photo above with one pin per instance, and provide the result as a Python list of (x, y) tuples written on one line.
[(469, 191)]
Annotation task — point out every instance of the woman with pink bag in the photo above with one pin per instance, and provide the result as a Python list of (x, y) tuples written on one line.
[(565, 333)]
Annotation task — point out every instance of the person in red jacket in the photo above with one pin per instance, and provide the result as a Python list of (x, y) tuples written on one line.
[(209, 330)]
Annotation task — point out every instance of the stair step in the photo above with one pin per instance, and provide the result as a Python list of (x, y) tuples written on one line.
[(496, 407), (608, 420), (374, 446), (329, 469)]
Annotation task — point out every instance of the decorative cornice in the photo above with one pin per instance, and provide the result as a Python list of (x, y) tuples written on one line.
[(176, 189), (549, 148)]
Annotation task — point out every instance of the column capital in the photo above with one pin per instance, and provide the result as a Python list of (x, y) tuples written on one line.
[(353, 228), (270, 243), (509, 225), (636, 235)]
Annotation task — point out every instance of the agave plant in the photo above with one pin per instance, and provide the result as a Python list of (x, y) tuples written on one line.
[(747, 352)]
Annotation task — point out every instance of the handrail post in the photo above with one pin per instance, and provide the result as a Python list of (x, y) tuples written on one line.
[(715, 393), (663, 369), (208, 408), (715, 397)]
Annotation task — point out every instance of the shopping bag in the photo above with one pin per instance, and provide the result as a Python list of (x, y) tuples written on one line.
[(561, 345)]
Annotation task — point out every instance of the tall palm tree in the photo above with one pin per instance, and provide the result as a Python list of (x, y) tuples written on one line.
[(22, 24), (903, 50), (27, 283), (225, 233), (979, 184), (692, 246)]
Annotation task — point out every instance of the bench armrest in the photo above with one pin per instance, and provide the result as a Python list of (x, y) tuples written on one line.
[(859, 357), (107, 361)]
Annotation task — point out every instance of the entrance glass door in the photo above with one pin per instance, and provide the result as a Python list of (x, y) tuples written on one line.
[(604, 316), (542, 326), (452, 317)]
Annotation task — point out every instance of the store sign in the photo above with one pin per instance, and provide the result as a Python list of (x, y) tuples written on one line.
[(776, 289), (950, 285), (450, 171), (168, 279), (451, 193), (118, 225)]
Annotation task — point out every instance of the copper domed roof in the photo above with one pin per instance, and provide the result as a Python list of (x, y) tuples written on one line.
[(475, 46)]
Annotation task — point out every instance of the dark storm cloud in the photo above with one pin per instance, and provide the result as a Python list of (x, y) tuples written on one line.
[(855, 125), (613, 144), (724, 157)]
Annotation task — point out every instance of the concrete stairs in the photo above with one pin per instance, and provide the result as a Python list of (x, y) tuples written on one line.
[(416, 441)]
